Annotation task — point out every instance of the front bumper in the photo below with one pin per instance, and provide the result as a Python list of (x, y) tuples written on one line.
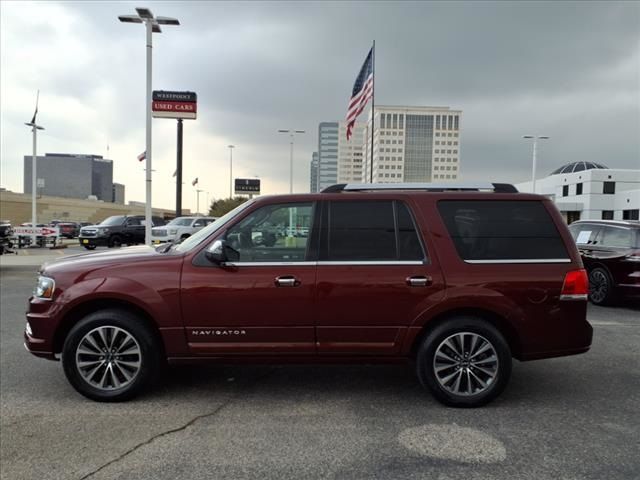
[(94, 241), (43, 317)]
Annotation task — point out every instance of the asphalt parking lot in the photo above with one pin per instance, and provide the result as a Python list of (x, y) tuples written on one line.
[(567, 418)]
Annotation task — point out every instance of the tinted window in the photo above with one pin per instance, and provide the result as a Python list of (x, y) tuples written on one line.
[(616, 237), (578, 189), (607, 214), (609, 187), (565, 190), (133, 222), (273, 233), (361, 231), (409, 247), (366, 231), (497, 230)]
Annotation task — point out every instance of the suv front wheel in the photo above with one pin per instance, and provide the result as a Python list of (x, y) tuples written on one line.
[(464, 362), (110, 356)]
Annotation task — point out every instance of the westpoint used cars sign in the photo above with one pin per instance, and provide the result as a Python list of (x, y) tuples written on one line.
[(174, 104)]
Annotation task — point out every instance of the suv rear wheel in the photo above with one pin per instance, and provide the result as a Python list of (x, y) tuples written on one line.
[(464, 362), (110, 356)]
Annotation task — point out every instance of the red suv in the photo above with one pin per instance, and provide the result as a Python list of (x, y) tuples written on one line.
[(456, 279)]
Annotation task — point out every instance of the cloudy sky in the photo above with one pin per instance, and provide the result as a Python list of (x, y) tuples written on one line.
[(568, 70)]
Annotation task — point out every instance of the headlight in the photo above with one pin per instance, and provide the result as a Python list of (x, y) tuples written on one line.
[(45, 288), (173, 231)]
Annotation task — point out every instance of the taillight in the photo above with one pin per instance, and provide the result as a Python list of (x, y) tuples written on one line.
[(575, 286)]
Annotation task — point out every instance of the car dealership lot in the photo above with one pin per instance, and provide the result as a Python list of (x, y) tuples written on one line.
[(573, 417)]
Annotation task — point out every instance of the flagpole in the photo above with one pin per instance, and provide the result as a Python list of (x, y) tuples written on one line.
[(373, 100)]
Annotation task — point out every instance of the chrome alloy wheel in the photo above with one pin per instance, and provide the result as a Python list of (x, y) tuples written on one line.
[(598, 286), (465, 364), (108, 358)]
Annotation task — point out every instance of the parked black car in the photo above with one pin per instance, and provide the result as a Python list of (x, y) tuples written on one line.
[(610, 252), (116, 231)]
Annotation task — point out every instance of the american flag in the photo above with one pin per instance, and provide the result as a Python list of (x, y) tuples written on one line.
[(142, 156), (195, 182), (361, 93)]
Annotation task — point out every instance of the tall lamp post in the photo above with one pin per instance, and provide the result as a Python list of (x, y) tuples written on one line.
[(231, 147), (34, 160), (292, 134), (535, 145), (152, 25)]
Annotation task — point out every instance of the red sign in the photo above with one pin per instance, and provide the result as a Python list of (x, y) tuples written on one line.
[(40, 231), (175, 107)]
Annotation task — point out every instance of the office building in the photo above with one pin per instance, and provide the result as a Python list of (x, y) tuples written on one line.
[(327, 154), (118, 193), (350, 153), (71, 176), (591, 191), (412, 144), (313, 173)]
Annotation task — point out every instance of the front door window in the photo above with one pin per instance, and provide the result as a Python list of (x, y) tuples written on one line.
[(274, 233)]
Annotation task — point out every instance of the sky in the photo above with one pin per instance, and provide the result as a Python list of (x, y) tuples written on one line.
[(569, 70)]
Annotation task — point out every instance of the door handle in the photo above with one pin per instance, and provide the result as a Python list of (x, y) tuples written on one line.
[(287, 281), (419, 281)]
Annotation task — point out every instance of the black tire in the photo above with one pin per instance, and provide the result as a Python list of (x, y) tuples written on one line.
[(184, 237), (89, 247), (115, 241), (125, 323), (600, 287), (475, 394)]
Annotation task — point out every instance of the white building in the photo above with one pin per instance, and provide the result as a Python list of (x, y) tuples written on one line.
[(350, 153), (413, 144), (591, 191)]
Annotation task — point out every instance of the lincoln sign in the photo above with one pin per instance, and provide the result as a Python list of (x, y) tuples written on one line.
[(174, 104), (247, 185)]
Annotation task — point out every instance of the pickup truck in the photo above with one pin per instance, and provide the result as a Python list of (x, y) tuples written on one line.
[(179, 228)]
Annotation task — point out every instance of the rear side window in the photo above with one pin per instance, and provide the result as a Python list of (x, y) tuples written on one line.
[(490, 230), (370, 231)]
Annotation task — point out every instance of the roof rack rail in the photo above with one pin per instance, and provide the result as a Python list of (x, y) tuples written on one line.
[(427, 187)]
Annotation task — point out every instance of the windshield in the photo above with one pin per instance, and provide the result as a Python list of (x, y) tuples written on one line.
[(181, 221), (115, 220), (199, 236)]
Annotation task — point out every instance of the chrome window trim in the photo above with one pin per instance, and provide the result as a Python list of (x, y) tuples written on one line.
[(270, 264), (370, 262), (523, 260), (326, 263)]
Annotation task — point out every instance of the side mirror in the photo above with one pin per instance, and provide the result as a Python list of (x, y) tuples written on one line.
[(220, 253)]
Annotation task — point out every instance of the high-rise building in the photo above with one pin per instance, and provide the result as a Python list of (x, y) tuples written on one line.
[(327, 154), (118, 193), (412, 144), (313, 173), (71, 175), (350, 153)]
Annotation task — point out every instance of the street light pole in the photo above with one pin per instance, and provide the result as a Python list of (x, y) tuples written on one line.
[(231, 147), (292, 134), (535, 150), (152, 25)]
